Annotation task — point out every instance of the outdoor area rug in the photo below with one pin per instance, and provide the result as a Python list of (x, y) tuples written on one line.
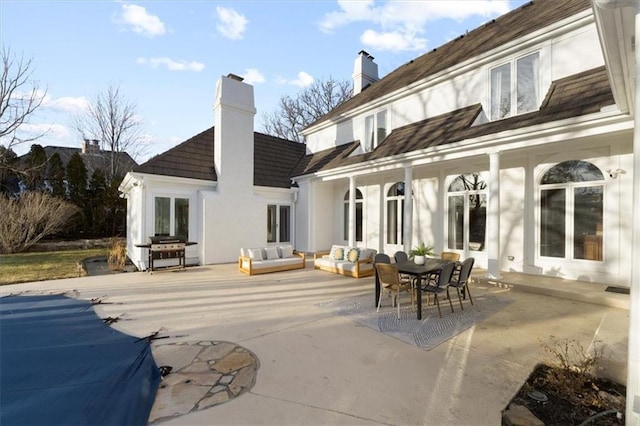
[(427, 333)]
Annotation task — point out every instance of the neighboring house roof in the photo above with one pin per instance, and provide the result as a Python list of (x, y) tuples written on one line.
[(584, 93), (274, 158), (526, 19), (92, 160)]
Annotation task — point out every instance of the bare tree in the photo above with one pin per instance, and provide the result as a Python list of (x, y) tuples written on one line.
[(294, 114), (29, 218), (20, 97), (112, 120)]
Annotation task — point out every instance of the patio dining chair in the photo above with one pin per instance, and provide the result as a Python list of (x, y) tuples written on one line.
[(441, 285), (381, 258), (401, 256), (391, 281), (461, 281), (450, 255)]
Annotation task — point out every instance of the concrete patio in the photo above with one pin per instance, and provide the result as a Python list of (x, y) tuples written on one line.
[(319, 368)]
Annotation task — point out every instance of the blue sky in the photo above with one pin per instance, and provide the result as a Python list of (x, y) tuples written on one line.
[(166, 56)]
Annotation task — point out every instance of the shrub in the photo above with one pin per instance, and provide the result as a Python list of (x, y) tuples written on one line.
[(30, 217), (576, 366), (117, 255)]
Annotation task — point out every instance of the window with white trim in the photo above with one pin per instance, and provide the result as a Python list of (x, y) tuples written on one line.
[(278, 223), (467, 213), (171, 216), (358, 224), (572, 211), (375, 130), (515, 87), (395, 214)]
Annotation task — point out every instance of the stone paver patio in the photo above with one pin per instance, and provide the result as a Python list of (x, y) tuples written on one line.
[(319, 368)]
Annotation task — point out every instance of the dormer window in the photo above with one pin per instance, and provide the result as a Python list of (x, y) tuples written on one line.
[(375, 130), (515, 87)]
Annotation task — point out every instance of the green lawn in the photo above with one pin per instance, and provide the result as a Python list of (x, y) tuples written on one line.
[(24, 267)]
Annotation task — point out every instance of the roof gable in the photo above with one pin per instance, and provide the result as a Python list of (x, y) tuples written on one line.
[(526, 19), (584, 93), (192, 158)]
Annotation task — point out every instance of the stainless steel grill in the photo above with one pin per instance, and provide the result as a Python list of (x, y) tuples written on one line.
[(166, 247)]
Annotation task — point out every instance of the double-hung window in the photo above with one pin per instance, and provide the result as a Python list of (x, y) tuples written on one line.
[(515, 87), (375, 129), (171, 216)]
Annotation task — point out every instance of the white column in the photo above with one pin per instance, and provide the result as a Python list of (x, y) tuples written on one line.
[(493, 217), (633, 362), (352, 211), (407, 220)]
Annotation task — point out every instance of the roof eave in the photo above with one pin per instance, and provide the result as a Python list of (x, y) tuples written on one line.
[(508, 140), (616, 30)]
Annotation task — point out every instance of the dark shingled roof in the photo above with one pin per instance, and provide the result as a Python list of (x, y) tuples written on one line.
[(584, 93), (193, 159), (526, 19), (92, 160), (274, 158)]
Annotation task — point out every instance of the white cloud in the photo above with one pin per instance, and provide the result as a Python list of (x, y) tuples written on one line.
[(140, 21), (398, 24), (53, 134), (232, 24), (170, 64), (394, 41), (253, 76), (66, 104), (303, 79)]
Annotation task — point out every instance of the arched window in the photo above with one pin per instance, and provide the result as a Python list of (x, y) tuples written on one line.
[(395, 214), (571, 211), (467, 224), (358, 223)]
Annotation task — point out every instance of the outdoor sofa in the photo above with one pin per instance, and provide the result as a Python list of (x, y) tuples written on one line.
[(263, 260), (344, 260)]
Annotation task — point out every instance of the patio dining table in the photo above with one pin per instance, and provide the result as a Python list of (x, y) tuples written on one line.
[(409, 267)]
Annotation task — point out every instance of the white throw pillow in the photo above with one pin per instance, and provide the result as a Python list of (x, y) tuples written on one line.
[(352, 254), (272, 253), (332, 253), (244, 252), (339, 253), (255, 254), (286, 251)]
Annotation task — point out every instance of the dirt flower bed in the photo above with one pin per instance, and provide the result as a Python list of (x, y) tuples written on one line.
[(596, 400)]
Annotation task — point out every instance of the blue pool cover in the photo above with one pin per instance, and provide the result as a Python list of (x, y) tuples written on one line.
[(60, 364)]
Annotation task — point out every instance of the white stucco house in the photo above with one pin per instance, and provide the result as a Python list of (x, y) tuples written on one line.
[(509, 137), (513, 143)]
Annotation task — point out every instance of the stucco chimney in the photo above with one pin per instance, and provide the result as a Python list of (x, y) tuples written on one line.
[(234, 110), (365, 72)]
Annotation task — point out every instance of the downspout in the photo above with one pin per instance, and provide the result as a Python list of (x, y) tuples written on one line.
[(633, 361)]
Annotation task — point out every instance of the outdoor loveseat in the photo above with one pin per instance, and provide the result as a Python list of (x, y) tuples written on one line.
[(344, 260), (263, 260)]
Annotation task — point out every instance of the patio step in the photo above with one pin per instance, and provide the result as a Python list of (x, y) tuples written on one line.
[(580, 291)]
